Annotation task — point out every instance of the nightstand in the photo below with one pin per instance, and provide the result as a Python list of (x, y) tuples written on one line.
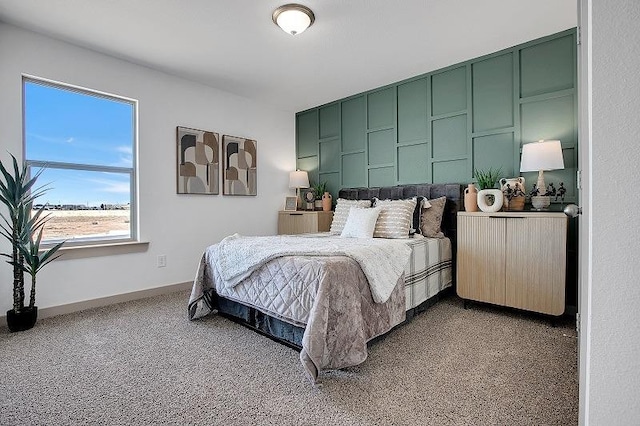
[(301, 222), (514, 259)]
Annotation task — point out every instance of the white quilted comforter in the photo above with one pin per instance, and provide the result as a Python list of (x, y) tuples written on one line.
[(383, 261)]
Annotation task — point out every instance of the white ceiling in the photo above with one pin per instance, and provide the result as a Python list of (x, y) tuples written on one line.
[(353, 46)]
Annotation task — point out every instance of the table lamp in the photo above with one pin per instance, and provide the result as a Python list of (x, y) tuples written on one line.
[(298, 179), (539, 157)]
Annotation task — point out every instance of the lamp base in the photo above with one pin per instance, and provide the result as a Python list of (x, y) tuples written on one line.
[(540, 184), (298, 200), (541, 202)]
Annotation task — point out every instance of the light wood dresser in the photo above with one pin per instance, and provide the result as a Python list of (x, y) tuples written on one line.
[(515, 259), (301, 222)]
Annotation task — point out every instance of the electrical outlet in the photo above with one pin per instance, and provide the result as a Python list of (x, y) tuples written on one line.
[(162, 261)]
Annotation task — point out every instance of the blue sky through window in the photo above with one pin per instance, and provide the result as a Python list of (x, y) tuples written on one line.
[(71, 127), (81, 187)]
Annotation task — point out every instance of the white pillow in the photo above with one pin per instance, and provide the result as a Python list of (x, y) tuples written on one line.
[(361, 222), (342, 212), (395, 219)]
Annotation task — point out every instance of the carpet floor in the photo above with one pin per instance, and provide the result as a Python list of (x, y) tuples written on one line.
[(144, 363)]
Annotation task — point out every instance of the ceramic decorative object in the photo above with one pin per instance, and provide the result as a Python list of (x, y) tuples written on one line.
[(471, 198), (514, 182), (483, 200), (326, 202), (513, 191), (514, 204)]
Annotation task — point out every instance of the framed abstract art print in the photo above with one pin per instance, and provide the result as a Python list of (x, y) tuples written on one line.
[(198, 169), (239, 175)]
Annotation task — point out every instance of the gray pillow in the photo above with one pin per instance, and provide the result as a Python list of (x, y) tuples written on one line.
[(431, 218)]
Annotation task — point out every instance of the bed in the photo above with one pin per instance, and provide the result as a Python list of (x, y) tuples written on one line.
[(329, 300)]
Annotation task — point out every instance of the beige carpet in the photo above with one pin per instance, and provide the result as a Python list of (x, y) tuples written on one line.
[(142, 363)]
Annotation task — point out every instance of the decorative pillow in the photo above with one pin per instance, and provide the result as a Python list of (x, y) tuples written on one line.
[(431, 218), (342, 212), (360, 222), (420, 204), (395, 218)]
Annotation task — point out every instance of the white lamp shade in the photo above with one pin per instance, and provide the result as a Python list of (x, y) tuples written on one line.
[(293, 18), (542, 155), (298, 179)]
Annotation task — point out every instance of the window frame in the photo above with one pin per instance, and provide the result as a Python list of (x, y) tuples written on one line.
[(132, 171)]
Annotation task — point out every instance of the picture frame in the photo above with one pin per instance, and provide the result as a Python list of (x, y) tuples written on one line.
[(198, 161), (239, 173), (290, 204)]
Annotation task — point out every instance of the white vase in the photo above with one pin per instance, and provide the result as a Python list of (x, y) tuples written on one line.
[(483, 200)]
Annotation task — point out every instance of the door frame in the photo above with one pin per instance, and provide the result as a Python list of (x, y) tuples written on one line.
[(584, 200)]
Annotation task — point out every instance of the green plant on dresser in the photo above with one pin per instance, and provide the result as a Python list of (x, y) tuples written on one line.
[(319, 189), (487, 178)]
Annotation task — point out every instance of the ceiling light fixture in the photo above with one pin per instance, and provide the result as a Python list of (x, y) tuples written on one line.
[(293, 18)]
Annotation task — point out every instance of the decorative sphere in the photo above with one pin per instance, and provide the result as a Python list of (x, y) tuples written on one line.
[(572, 210)]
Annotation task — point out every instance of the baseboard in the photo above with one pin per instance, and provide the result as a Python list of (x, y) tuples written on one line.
[(106, 301)]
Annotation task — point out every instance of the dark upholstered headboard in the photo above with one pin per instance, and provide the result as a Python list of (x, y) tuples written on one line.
[(453, 192)]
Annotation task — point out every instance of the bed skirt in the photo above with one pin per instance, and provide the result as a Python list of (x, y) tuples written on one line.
[(289, 334)]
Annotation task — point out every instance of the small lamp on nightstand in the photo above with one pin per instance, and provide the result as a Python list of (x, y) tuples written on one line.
[(538, 157), (298, 179)]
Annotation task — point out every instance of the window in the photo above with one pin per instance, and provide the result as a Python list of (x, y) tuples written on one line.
[(86, 143)]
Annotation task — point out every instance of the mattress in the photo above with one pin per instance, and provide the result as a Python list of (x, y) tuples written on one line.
[(429, 270)]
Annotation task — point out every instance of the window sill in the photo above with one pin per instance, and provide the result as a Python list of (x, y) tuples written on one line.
[(82, 251)]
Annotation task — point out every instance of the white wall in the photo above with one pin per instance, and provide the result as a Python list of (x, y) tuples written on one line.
[(180, 226), (613, 367)]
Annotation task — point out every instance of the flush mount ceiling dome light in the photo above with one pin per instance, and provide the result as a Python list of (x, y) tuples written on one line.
[(293, 18)]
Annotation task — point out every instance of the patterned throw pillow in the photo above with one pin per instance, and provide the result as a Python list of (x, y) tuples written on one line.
[(361, 222), (395, 218), (431, 218), (342, 212), (421, 203)]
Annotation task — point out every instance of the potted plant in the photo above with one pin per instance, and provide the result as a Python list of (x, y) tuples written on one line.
[(23, 228), (319, 189), (487, 178)]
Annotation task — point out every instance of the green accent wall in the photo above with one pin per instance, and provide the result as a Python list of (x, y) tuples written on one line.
[(440, 126)]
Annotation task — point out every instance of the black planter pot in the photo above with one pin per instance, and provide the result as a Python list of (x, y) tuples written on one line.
[(23, 320)]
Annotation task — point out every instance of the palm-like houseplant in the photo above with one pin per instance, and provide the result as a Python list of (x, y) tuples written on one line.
[(487, 178), (319, 189), (23, 227)]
